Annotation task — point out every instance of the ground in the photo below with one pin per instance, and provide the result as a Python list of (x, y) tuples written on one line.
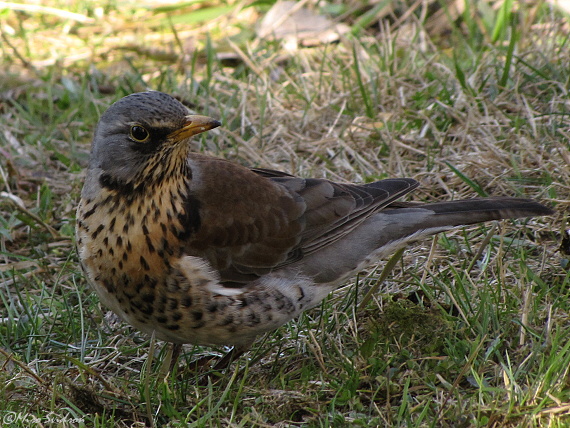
[(468, 329)]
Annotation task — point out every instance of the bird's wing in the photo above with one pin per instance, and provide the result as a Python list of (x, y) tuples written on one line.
[(335, 209), (244, 218), (253, 221), (270, 173)]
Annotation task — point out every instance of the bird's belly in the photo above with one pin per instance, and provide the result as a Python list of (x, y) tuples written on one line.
[(145, 278), (183, 301)]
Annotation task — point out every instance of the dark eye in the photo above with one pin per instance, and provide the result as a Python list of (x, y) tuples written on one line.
[(139, 134)]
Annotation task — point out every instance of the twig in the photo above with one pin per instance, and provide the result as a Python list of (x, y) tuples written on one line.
[(17, 202), (36, 8)]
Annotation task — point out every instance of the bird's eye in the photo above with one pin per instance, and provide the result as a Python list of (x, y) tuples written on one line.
[(139, 134)]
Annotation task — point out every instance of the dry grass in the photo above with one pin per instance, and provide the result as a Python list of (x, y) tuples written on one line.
[(462, 334)]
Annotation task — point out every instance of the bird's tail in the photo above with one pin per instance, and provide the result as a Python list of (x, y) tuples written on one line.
[(466, 211), (401, 223)]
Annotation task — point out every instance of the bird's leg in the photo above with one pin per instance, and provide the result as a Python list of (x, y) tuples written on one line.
[(223, 363), (196, 365), (176, 351), (236, 352)]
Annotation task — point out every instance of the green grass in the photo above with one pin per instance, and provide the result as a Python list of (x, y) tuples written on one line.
[(470, 329)]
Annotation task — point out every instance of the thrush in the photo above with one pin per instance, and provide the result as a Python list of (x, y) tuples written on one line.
[(199, 250)]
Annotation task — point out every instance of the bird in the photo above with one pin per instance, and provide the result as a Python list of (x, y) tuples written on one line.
[(196, 249)]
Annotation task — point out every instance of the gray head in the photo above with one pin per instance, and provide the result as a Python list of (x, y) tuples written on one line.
[(140, 132)]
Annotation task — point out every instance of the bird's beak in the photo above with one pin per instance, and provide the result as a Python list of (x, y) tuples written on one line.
[(195, 124)]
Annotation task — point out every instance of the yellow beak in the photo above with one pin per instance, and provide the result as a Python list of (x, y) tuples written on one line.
[(195, 124)]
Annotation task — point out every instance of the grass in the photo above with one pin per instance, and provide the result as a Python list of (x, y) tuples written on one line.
[(469, 329)]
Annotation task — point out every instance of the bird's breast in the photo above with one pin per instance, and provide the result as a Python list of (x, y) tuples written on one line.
[(128, 248)]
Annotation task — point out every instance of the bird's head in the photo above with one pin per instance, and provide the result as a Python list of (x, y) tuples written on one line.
[(142, 136)]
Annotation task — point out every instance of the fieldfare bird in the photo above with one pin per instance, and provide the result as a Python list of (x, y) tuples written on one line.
[(199, 250)]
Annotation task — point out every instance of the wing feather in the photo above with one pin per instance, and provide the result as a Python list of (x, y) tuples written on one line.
[(253, 221)]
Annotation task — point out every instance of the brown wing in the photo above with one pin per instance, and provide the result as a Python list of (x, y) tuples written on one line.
[(335, 209), (252, 221), (244, 218), (270, 173)]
